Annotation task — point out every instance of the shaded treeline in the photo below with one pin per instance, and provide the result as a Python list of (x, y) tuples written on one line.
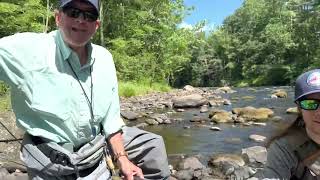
[(265, 42)]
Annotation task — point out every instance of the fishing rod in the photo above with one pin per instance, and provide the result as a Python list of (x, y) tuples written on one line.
[(16, 139), (107, 153), (58, 177)]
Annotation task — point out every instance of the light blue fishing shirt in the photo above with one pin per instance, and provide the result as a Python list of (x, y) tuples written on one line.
[(46, 96)]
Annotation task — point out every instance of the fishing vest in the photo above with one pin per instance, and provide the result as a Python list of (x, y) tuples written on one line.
[(307, 153)]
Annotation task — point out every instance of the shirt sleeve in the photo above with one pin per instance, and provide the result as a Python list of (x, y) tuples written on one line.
[(11, 68), (281, 161), (113, 121)]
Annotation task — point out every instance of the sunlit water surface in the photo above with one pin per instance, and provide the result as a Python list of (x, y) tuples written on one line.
[(233, 137)]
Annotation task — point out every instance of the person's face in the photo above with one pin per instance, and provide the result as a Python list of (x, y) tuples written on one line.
[(312, 117), (76, 31)]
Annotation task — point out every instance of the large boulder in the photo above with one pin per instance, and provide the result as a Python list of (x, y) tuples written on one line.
[(189, 101), (253, 114), (221, 116)]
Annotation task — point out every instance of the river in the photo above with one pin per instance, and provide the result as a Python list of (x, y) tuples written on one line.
[(232, 137)]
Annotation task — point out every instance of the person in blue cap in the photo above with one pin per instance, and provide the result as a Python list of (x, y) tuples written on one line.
[(295, 154), (65, 97)]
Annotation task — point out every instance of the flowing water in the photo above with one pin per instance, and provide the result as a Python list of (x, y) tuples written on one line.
[(233, 137)]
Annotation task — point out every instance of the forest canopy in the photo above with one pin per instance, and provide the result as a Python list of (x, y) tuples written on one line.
[(265, 42)]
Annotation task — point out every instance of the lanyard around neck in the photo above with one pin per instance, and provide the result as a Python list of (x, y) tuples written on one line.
[(89, 101)]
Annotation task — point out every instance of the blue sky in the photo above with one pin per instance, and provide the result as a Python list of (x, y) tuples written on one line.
[(214, 11)]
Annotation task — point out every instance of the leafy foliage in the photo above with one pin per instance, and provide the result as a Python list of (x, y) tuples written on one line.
[(265, 42)]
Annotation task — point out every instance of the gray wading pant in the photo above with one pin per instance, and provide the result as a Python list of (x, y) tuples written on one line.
[(145, 149)]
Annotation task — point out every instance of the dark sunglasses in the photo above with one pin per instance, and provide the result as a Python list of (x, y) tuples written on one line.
[(309, 104), (73, 12)]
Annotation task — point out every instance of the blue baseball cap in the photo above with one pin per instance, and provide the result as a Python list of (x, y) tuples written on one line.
[(307, 83), (95, 3)]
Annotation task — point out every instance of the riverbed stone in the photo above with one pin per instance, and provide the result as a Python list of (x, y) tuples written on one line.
[(204, 109), (152, 122), (280, 93), (253, 114), (185, 174), (257, 138), (222, 117), (233, 159), (192, 163), (214, 128), (292, 110), (276, 119), (189, 101), (141, 125), (225, 89), (242, 173), (188, 88), (255, 154), (129, 115), (216, 101), (227, 102), (3, 172)]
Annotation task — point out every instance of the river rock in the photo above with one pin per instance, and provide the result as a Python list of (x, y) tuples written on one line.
[(160, 118), (197, 119), (220, 116), (186, 174), (204, 109), (152, 122), (189, 101), (217, 101), (3, 172), (232, 159), (257, 138), (248, 98), (276, 119), (255, 154), (188, 88), (214, 128), (280, 93), (141, 125), (192, 163), (293, 110), (129, 115), (227, 102), (253, 114), (202, 174), (241, 173), (224, 90)]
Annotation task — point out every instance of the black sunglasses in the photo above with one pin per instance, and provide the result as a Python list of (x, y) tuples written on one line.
[(73, 12), (309, 104)]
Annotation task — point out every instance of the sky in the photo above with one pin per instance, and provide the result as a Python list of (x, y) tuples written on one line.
[(213, 11)]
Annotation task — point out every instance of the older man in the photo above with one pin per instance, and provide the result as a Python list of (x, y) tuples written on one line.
[(65, 96)]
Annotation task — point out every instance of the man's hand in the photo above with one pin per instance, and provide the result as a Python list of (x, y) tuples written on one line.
[(128, 169)]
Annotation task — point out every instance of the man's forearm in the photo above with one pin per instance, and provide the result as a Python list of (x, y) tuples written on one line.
[(116, 142)]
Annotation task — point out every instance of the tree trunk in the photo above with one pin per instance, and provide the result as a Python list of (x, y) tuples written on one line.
[(47, 17), (101, 24)]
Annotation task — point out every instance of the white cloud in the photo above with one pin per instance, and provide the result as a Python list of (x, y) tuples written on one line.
[(208, 28), (185, 25)]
